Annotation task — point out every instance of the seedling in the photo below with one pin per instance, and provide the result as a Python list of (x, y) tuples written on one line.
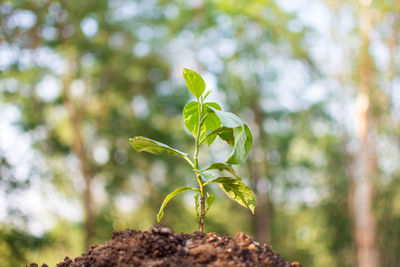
[(206, 121)]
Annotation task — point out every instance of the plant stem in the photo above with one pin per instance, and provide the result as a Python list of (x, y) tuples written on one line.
[(196, 164), (202, 204)]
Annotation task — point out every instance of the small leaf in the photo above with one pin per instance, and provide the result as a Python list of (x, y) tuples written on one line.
[(210, 201), (191, 117), (237, 191), (211, 122), (194, 82), (222, 167), (141, 143), (169, 197), (191, 120), (196, 202), (206, 94)]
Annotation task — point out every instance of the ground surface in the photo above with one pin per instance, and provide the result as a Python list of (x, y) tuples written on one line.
[(161, 247)]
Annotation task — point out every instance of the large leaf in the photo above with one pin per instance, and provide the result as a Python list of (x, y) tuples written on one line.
[(212, 105), (237, 191), (211, 121), (228, 119), (240, 138), (224, 133), (243, 140), (227, 135), (239, 151), (169, 197), (141, 143), (194, 82), (235, 133), (222, 167), (249, 139)]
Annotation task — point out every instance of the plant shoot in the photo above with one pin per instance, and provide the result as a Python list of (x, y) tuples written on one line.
[(206, 121)]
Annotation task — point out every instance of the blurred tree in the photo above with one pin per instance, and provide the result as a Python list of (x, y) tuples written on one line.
[(79, 60), (385, 109), (372, 75), (365, 159), (15, 242)]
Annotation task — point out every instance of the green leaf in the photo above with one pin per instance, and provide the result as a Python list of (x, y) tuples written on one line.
[(210, 200), (206, 94), (240, 138), (224, 133), (227, 136), (141, 143), (239, 151), (249, 139), (191, 120), (222, 167), (196, 202), (211, 122), (206, 176), (235, 133), (212, 105), (194, 82), (191, 117), (228, 119), (237, 191), (169, 197)]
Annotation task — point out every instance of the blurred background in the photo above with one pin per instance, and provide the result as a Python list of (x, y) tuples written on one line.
[(317, 81)]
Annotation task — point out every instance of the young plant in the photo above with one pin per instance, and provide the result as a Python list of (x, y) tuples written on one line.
[(206, 121)]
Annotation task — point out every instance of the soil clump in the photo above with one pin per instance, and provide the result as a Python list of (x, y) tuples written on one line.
[(161, 247)]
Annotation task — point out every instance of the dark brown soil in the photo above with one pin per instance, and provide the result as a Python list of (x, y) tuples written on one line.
[(161, 247)]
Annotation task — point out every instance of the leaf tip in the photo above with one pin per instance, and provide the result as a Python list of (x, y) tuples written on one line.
[(132, 142), (159, 216), (194, 82)]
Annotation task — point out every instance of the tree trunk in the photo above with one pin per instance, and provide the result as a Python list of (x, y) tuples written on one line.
[(78, 148), (257, 171), (365, 165)]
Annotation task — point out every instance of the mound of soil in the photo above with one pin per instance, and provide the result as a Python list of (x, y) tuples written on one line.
[(161, 247)]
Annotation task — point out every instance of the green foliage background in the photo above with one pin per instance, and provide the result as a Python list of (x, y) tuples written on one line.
[(269, 63)]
